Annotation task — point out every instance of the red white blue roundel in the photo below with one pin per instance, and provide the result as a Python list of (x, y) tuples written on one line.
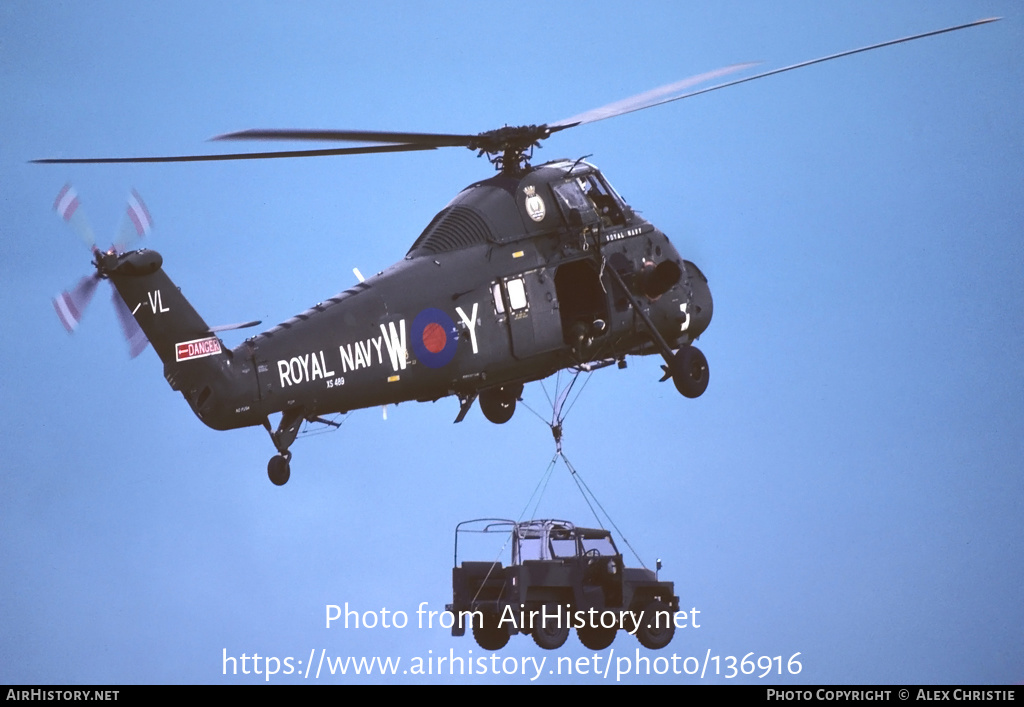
[(434, 338)]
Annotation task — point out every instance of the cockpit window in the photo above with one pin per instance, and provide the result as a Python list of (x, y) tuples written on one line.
[(573, 199), (603, 198), (592, 198)]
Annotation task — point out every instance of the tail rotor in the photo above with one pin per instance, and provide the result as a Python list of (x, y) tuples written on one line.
[(70, 305)]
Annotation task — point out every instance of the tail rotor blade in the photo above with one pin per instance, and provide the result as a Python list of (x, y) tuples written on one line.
[(66, 206), (71, 305), (133, 333), (137, 222)]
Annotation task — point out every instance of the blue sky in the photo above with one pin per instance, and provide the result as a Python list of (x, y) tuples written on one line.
[(848, 488)]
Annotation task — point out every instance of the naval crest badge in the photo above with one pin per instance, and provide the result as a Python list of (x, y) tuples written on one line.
[(534, 203)]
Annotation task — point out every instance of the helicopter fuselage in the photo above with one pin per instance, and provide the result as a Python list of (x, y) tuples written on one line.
[(517, 278)]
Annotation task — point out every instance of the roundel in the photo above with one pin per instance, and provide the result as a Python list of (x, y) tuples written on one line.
[(434, 337)]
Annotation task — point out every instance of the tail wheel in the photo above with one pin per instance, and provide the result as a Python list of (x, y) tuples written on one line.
[(656, 628), (689, 370), (488, 634)]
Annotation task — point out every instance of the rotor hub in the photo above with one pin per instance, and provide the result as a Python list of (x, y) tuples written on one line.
[(510, 148)]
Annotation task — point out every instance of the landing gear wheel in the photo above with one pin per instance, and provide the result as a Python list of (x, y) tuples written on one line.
[(499, 404), (551, 634), (279, 469), (689, 370), (488, 634), (652, 633), (596, 638)]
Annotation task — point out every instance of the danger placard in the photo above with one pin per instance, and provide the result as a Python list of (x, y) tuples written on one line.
[(197, 348)]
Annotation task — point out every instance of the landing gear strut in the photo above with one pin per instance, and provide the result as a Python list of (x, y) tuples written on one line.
[(279, 466), (687, 367)]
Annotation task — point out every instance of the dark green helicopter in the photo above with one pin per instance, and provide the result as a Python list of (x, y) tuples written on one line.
[(537, 269)]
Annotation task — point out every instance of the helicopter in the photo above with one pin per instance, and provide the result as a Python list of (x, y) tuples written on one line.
[(536, 269)]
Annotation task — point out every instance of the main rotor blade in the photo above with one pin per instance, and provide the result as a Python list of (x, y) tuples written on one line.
[(507, 139), (654, 97), (630, 105), (241, 155), (425, 140)]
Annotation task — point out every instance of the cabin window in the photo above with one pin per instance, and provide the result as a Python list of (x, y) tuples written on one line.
[(499, 303), (516, 294)]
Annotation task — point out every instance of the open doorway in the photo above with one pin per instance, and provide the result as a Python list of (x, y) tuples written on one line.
[(583, 305)]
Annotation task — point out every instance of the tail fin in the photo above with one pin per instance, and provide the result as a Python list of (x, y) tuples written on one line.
[(156, 304), (222, 394)]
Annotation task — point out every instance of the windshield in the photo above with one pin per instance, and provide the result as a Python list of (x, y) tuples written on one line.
[(603, 546), (563, 543)]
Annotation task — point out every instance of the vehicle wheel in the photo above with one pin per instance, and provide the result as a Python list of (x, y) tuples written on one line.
[(488, 634), (499, 404), (596, 638), (553, 633), (650, 634), (279, 470), (690, 371)]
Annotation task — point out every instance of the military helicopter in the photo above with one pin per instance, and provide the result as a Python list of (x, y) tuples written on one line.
[(534, 270)]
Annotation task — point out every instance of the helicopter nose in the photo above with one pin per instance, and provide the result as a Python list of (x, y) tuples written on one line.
[(701, 305)]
